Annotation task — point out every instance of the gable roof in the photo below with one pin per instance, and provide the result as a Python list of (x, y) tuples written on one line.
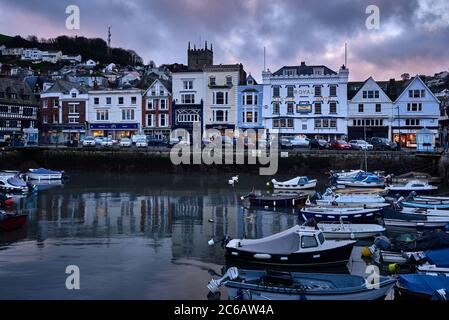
[(355, 87), (20, 88), (250, 77), (64, 86), (304, 70), (167, 84), (410, 82)]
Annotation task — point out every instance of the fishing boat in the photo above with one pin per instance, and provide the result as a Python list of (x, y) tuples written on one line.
[(423, 286), (12, 182), (300, 246), (275, 285), (10, 222), (370, 181), (354, 199), (414, 185), (425, 212), (404, 178), (44, 174), (276, 200), (336, 214), (394, 218), (298, 183), (350, 231)]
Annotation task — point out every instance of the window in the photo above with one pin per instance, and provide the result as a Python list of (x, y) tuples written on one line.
[(163, 120), (417, 93), (276, 108), (74, 120), (28, 112), (290, 108), (150, 120), (56, 105), (308, 242), (128, 114), (96, 101), (102, 115), (133, 100), (333, 91), (229, 80), (161, 92), (73, 94), (276, 92), (188, 117), (212, 81), (45, 118), (45, 104), (317, 107), (332, 107), (248, 99), (376, 94), (15, 110), (220, 97), (414, 107), (188, 84), (188, 98), (74, 108), (275, 123), (290, 123), (14, 97), (412, 122), (317, 123), (317, 91), (378, 107), (361, 107), (219, 115), (333, 123), (108, 100), (121, 100), (289, 72), (150, 105), (290, 92), (164, 105), (4, 109)]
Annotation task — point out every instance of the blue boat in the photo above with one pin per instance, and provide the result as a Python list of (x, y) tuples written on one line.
[(353, 215), (275, 285), (423, 286), (439, 258)]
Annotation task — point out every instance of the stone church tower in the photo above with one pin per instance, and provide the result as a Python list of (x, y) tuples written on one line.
[(197, 59)]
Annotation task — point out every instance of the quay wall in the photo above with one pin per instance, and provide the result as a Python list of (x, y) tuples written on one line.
[(304, 162)]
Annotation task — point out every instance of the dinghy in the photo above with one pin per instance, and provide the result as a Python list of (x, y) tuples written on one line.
[(394, 218), (44, 174), (417, 186), (9, 222), (370, 181), (276, 200), (298, 183), (299, 246), (350, 231), (337, 214), (404, 178), (12, 182), (275, 285), (425, 212), (423, 286), (358, 199)]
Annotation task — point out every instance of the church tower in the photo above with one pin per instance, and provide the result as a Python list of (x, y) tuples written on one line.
[(199, 58)]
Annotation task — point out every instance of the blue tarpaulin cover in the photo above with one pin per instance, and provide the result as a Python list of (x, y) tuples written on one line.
[(45, 171), (440, 258), (423, 284)]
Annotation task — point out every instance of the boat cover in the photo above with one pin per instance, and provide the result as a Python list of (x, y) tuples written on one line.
[(429, 241), (45, 171), (440, 258), (295, 181), (17, 182), (393, 214), (423, 284)]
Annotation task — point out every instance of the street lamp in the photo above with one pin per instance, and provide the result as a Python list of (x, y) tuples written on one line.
[(399, 130)]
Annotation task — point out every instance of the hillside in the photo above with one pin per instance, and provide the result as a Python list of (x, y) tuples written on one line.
[(95, 49)]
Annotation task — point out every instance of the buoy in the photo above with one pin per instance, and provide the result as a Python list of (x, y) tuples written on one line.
[(393, 267), (366, 252), (211, 242), (268, 184)]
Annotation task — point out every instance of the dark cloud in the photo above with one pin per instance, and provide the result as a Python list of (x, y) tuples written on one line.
[(292, 30)]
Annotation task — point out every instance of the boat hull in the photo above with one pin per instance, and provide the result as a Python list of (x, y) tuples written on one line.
[(333, 217), (13, 222), (415, 223), (33, 176), (280, 186), (277, 202)]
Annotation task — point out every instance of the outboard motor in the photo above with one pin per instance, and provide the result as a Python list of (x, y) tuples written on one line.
[(383, 243)]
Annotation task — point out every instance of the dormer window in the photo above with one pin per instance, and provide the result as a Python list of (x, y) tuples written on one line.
[(290, 72), (250, 82), (318, 71), (229, 80), (212, 81), (73, 94)]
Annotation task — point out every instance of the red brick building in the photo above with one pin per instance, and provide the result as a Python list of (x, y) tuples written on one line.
[(156, 109)]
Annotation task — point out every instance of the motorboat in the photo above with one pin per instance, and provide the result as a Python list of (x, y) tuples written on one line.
[(276, 285), (368, 191), (414, 185), (350, 231), (44, 174), (424, 202), (12, 182), (360, 199), (404, 178), (9, 222), (394, 218), (346, 174), (425, 212), (298, 183), (300, 246), (370, 181), (424, 286), (336, 214), (276, 200), (436, 262)]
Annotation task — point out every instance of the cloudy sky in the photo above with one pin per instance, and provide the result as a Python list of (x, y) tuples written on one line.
[(413, 35)]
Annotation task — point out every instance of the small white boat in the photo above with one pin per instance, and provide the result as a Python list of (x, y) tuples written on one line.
[(425, 212), (12, 182), (350, 231), (360, 199), (368, 182), (339, 214), (433, 269), (347, 174), (44, 174), (415, 185), (298, 183)]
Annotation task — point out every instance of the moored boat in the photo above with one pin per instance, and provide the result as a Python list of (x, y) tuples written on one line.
[(274, 285), (276, 200), (299, 246), (12, 182), (350, 231), (10, 222), (393, 218), (337, 214), (423, 286), (370, 181), (352, 199), (44, 174), (298, 183), (414, 185)]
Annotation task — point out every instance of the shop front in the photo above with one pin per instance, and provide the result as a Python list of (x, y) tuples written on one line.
[(158, 133), (408, 137), (224, 129), (114, 131), (73, 133)]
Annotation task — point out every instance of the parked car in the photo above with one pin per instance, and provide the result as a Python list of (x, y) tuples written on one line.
[(340, 145), (141, 143), (136, 137), (125, 142), (98, 140), (383, 144), (319, 144), (181, 141), (89, 142), (361, 145), (157, 141), (285, 142), (107, 142), (298, 142)]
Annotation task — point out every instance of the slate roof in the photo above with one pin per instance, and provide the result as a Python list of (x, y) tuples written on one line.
[(392, 88), (65, 87), (20, 88), (304, 70)]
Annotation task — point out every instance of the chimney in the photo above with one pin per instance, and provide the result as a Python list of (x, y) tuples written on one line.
[(392, 89), (303, 63)]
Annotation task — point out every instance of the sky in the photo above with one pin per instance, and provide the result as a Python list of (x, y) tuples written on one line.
[(413, 35)]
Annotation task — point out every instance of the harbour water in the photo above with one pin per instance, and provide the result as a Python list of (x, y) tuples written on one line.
[(133, 236)]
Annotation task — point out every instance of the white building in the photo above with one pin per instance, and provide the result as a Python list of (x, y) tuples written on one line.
[(306, 100), (115, 113), (90, 63), (370, 112), (71, 58), (51, 56), (415, 108), (31, 55), (12, 52)]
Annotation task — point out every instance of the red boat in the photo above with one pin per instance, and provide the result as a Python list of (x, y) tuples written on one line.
[(10, 222)]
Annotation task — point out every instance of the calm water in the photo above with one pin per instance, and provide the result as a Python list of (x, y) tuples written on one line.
[(132, 236)]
